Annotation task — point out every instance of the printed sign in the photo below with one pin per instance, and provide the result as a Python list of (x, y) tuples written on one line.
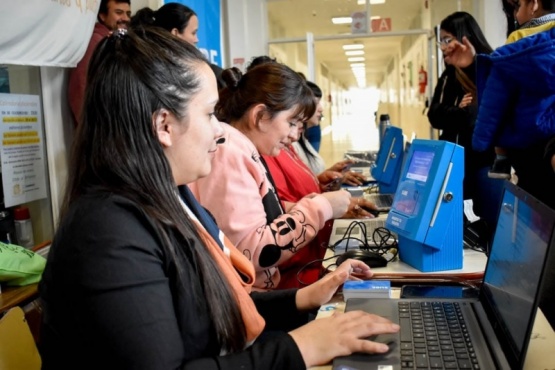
[(381, 25), (22, 149), (359, 23)]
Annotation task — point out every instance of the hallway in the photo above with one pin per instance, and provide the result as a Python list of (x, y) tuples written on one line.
[(354, 131)]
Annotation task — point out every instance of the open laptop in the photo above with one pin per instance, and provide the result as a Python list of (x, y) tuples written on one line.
[(384, 201), (497, 325)]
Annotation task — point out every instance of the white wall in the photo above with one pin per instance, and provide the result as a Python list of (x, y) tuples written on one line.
[(58, 132), (245, 31)]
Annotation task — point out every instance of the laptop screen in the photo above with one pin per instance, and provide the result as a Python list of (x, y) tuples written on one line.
[(515, 267)]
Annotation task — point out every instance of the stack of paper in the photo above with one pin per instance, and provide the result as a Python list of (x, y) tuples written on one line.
[(366, 289)]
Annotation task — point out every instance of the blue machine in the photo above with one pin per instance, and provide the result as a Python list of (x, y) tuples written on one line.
[(388, 165), (427, 211)]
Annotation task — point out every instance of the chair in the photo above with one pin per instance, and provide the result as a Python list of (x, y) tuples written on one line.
[(17, 346)]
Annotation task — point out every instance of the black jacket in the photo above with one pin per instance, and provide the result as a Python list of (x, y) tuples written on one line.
[(111, 300), (457, 124)]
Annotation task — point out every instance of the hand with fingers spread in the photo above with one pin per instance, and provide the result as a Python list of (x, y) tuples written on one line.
[(342, 166), (321, 292), (353, 178), (340, 335), (360, 208), (330, 180), (460, 54)]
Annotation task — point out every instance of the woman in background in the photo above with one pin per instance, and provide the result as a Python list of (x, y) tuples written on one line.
[(181, 21), (453, 111), (263, 108), (138, 275)]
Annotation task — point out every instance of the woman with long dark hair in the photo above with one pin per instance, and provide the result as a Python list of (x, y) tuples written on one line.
[(138, 275), (454, 109)]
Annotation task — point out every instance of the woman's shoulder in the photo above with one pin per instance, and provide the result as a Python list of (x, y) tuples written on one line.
[(104, 212)]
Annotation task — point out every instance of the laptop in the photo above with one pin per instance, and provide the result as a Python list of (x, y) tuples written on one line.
[(497, 326), (349, 233), (382, 201)]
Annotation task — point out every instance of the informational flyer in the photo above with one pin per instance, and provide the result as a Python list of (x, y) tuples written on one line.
[(22, 149)]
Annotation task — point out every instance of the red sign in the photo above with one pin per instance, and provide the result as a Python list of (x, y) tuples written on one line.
[(381, 25)]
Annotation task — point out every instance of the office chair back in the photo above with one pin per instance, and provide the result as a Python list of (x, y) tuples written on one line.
[(17, 346)]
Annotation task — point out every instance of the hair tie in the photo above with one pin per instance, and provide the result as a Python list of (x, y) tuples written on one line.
[(120, 33)]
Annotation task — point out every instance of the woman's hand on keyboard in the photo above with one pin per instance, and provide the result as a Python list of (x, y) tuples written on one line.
[(361, 208), (322, 340)]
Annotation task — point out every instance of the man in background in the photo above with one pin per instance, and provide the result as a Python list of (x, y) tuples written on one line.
[(112, 14)]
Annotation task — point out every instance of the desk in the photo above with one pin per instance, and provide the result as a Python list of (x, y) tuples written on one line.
[(474, 264), (540, 350), (17, 296)]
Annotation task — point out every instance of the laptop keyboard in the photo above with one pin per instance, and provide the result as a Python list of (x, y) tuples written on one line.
[(381, 200), (434, 336)]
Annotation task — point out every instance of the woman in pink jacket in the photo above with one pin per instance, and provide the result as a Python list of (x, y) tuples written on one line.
[(264, 108)]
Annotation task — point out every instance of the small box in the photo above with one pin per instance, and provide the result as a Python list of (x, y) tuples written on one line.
[(367, 289)]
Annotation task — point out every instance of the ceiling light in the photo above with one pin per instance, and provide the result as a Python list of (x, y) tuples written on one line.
[(355, 65), (349, 20), (372, 2), (342, 20), (353, 47), (354, 52), (356, 59)]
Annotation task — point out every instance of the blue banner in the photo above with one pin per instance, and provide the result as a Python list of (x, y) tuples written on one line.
[(208, 12)]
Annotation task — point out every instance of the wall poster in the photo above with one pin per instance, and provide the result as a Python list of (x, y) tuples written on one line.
[(22, 151)]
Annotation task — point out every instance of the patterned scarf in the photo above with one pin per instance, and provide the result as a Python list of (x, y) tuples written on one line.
[(236, 268)]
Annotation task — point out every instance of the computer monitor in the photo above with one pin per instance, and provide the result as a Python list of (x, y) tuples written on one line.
[(427, 211), (388, 165)]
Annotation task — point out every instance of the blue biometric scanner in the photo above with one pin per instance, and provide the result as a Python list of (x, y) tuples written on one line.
[(389, 162), (427, 211)]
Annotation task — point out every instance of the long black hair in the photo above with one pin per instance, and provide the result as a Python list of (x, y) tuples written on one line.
[(131, 77), (461, 24)]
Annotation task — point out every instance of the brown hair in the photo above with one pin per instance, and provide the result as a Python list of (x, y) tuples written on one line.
[(275, 85)]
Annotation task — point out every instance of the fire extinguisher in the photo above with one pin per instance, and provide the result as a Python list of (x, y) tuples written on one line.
[(422, 80)]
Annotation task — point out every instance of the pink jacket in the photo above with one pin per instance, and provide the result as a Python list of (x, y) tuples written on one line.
[(243, 201)]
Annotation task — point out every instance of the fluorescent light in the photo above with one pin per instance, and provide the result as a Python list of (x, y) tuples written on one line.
[(353, 47), (372, 2), (356, 59), (349, 20), (354, 52), (354, 65), (342, 20)]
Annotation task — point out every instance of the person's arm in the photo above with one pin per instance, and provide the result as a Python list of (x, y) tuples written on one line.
[(125, 302), (235, 193), (78, 78), (279, 309), (282, 185), (496, 96)]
